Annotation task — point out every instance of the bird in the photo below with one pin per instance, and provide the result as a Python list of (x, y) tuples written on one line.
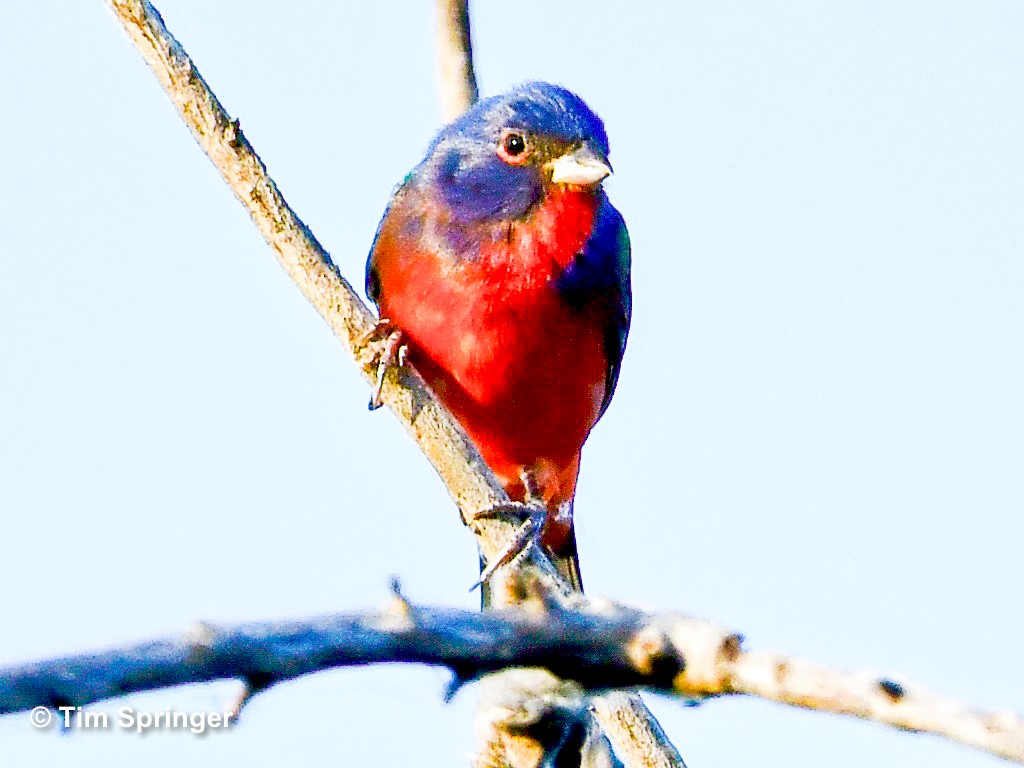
[(505, 271)]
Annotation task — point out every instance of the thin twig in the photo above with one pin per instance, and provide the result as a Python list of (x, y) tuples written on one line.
[(457, 80), (624, 717), (590, 650)]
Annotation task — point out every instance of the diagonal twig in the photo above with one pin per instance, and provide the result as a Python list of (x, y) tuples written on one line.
[(470, 482)]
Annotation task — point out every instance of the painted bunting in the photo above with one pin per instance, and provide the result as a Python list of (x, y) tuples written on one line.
[(506, 270)]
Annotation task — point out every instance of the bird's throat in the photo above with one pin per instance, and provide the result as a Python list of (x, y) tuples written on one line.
[(541, 245)]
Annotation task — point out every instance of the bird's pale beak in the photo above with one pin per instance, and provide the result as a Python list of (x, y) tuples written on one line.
[(582, 167)]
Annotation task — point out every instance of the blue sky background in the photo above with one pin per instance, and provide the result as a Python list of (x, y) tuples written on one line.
[(818, 435)]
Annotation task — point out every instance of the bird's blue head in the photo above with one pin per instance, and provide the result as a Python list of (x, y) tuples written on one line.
[(495, 161)]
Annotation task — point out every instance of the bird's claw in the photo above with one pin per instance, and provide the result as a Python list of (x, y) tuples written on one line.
[(532, 517), (382, 348)]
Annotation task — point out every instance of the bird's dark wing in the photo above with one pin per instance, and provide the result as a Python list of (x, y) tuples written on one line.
[(600, 274)]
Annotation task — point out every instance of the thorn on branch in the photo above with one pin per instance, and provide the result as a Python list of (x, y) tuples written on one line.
[(251, 685), (233, 133), (460, 678), (892, 689), (395, 585), (398, 606), (235, 710), (55, 706)]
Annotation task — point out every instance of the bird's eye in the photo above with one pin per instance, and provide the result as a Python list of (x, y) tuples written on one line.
[(514, 144), (513, 147)]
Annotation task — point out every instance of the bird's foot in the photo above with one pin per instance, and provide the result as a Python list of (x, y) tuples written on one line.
[(531, 517), (382, 348)]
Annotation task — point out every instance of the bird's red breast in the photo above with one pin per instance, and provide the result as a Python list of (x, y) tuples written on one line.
[(522, 371)]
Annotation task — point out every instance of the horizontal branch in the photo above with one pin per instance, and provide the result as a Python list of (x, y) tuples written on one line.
[(801, 683), (597, 650)]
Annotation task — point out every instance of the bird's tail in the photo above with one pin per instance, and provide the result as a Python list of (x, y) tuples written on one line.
[(567, 561)]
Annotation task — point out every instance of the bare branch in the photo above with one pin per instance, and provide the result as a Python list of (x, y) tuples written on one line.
[(527, 717), (588, 650), (881, 699), (619, 648), (457, 80), (469, 481), (471, 484), (637, 734)]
